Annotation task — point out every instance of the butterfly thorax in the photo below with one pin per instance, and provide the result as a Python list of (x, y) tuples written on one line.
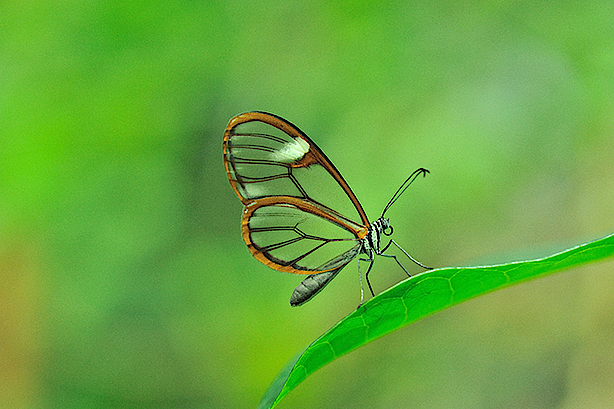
[(372, 241)]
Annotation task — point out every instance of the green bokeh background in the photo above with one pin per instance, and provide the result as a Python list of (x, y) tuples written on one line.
[(124, 281)]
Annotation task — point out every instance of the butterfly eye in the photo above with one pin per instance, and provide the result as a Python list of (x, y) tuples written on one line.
[(387, 230)]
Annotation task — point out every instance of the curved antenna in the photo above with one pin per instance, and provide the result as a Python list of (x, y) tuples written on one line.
[(404, 186)]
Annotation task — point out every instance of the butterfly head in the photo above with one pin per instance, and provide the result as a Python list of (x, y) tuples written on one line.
[(386, 227)]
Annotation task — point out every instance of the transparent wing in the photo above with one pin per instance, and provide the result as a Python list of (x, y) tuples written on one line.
[(267, 156), (295, 236)]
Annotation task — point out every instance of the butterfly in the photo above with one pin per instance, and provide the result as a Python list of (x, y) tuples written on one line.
[(300, 216)]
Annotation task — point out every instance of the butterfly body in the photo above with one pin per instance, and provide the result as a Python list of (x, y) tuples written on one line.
[(300, 215), (371, 243)]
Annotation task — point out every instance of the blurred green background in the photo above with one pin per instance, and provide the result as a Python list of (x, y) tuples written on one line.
[(124, 280)]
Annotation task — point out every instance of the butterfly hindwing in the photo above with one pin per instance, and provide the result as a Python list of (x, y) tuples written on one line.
[(296, 236)]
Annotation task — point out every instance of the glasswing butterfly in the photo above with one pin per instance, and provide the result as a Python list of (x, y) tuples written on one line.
[(300, 215)]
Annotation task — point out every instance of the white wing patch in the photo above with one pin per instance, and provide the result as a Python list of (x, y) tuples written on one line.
[(292, 151)]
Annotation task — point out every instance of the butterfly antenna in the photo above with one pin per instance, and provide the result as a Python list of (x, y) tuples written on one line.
[(404, 186)]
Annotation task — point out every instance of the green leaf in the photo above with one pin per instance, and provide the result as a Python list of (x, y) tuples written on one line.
[(418, 297)]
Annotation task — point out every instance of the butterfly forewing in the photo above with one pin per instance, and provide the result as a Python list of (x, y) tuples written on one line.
[(267, 156)]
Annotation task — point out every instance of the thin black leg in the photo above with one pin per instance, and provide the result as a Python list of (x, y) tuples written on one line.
[(407, 254), (367, 274), (398, 262)]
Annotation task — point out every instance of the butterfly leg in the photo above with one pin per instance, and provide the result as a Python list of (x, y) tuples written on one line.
[(398, 262), (381, 253), (406, 253), (367, 275), (370, 260)]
